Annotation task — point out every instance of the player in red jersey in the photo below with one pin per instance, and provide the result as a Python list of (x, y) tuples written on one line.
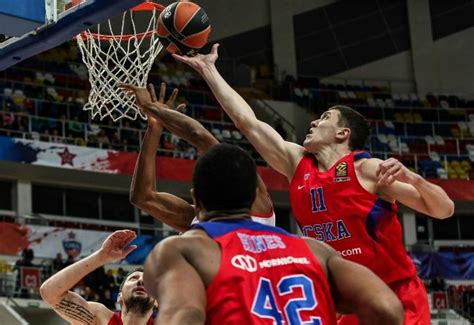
[(339, 195), (166, 207), (137, 305), (230, 270)]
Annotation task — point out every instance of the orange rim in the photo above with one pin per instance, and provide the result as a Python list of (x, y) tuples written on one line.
[(144, 6)]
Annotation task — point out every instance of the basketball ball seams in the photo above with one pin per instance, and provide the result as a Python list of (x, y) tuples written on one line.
[(189, 39), (176, 29), (168, 22), (162, 25), (196, 23), (190, 20)]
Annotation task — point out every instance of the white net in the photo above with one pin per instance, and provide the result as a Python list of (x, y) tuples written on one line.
[(115, 58)]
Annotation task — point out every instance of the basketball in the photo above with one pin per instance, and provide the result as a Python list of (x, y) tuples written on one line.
[(183, 28)]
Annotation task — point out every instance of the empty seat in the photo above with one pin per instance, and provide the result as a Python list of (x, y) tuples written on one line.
[(382, 138), (217, 134), (226, 134), (434, 156), (236, 135), (380, 103), (371, 102), (439, 140), (441, 172)]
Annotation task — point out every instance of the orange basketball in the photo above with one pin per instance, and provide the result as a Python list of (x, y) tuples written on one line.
[(183, 27)]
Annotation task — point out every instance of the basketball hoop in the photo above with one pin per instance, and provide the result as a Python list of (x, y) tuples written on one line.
[(118, 51)]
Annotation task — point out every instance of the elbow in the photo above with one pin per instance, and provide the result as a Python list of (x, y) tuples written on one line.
[(47, 294), (386, 311), (446, 212), (134, 198), (138, 199), (43, 291), (393, 314)]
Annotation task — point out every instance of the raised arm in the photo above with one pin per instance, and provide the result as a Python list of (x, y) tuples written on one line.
[(357, 290), (56, 291), (178, 123), (280, 154), (167, 208), (172, 280), (171, 211)]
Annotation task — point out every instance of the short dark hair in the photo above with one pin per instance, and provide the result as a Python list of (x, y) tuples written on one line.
[(358, 124), (225, 178), (137, 269)]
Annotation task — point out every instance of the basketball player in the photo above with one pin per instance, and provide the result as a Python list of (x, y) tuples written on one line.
[(168, 208), (230, 270), (136, 304), (338, 193)]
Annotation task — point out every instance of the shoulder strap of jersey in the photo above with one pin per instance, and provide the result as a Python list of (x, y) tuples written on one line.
[(304, 165), (115, 319), (361, 155), (220, 228)]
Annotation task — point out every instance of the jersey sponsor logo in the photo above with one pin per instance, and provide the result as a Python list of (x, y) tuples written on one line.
[(301, 186), (250, 264), (167, 13), (260, 243), (350, 252), (244, 262), (341, 173), (282, 261), (328, 231)]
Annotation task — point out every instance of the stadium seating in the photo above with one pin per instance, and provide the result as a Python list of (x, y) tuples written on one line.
[(433, 135)]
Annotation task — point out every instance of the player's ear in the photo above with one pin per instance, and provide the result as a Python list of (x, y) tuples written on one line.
[(120, 298), (195, 200), (343, 134)]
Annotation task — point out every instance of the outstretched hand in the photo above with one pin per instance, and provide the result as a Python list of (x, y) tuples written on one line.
[(117, 245), (142, 95), (199, 62), (170, 102), (146, 96)]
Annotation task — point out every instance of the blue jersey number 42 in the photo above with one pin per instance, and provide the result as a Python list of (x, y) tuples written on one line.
[(265, 305)]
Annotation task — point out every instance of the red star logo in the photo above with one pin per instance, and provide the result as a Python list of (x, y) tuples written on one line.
[(66, 157)]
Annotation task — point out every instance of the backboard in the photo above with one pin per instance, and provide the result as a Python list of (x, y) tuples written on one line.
[(30, 27)]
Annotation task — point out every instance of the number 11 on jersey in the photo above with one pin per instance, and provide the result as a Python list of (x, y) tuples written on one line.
[(317, 199)]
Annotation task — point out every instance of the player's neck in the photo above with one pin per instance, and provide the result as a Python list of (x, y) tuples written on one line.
[(327, 156), (130, 318), (225, 215)]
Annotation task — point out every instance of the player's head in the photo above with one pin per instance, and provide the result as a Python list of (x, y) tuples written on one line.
[(339, 124), (132, 293), (224, 179)]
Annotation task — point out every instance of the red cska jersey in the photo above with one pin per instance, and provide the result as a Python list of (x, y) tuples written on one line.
[(266, 276), (333, 207)]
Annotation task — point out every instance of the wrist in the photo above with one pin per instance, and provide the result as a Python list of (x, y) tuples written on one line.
[(100, 258), (154, 125), (207, 69), (417, 180)]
